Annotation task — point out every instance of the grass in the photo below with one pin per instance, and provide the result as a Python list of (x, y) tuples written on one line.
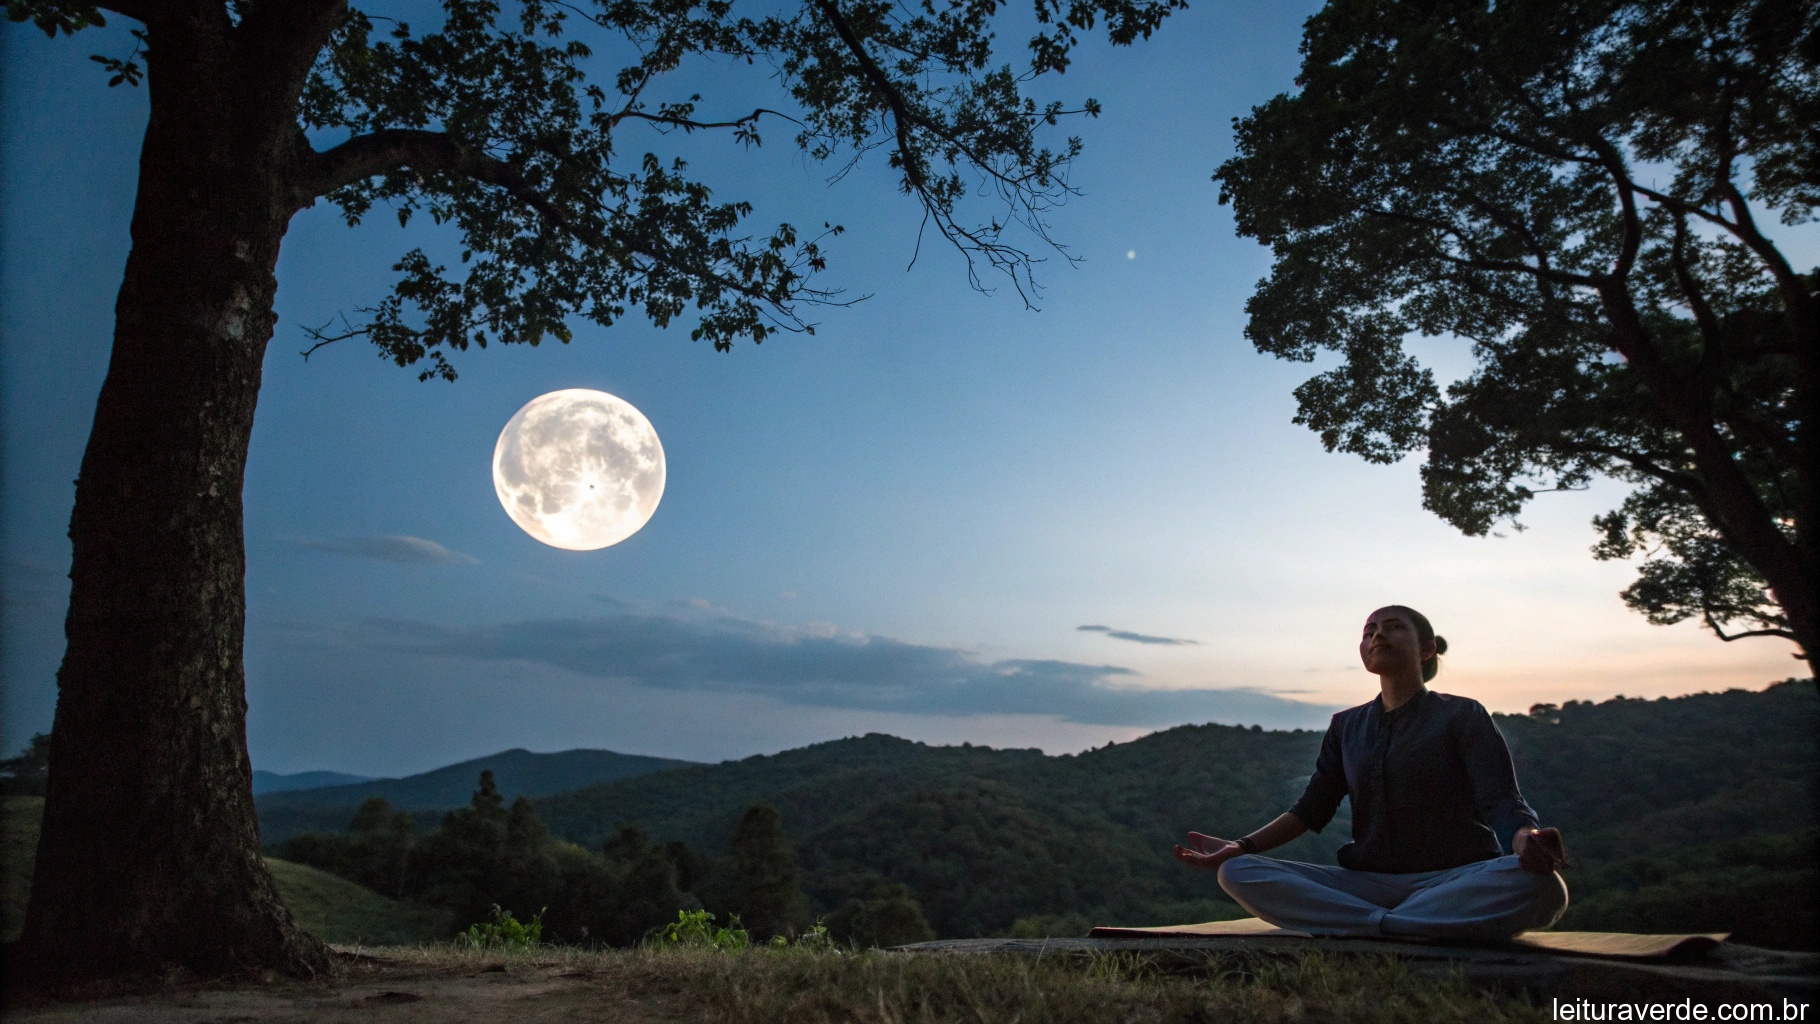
[(19, 817), (339, 911), (800, 986), (332, 908), (765, 986)]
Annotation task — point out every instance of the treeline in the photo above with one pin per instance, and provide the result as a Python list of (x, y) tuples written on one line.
[(489, 855), (1678, 813), (1764, 889)]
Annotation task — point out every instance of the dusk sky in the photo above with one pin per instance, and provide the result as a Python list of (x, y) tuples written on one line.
[(943, 516)]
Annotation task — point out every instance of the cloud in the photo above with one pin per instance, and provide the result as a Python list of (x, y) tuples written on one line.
[(821, 666), (389, 548), (1137, 638)]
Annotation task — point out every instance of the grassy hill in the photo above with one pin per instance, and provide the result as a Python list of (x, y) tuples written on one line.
[(337, 910), (19, 817), (332, 908), (517, 772)]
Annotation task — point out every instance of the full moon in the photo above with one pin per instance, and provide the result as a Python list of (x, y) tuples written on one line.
[(579, 469)]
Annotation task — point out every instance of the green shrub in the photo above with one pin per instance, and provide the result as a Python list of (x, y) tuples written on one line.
[(814, 938), (697, 928), (505, 932)]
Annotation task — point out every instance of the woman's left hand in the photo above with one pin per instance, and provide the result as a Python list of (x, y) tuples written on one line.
[(1539, 849)]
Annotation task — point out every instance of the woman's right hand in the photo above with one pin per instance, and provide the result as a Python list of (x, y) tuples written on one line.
[(1204, 851)]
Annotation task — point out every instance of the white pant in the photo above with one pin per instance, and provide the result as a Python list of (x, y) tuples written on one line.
[(1486, 901)]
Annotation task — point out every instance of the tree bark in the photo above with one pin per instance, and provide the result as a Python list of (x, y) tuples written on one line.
[(149, 860)]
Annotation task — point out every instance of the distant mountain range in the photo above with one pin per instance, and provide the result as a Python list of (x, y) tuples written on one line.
[(518, 772), (271, 782)]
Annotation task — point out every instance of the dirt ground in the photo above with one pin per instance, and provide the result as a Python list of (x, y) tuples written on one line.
[(386, 988)]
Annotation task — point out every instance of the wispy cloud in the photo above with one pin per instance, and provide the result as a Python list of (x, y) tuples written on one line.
[(1137, 638), (389, 548), (821, 666)]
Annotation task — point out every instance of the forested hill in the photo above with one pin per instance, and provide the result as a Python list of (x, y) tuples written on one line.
[(984, 836), (518, 772), (1639, 776)]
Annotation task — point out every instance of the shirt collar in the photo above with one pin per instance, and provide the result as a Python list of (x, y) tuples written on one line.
[(1408, 705)]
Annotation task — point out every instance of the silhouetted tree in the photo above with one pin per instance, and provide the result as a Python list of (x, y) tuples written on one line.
[(375, 851), (759, 879), (1576, 190), (464, 862), (692, 868), (494, 125), (888, 915), (644, 886)]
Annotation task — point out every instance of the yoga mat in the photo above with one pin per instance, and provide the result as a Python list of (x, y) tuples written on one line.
[(1620, 945)]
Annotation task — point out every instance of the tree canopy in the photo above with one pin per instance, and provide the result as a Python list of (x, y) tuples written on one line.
[(1579, 191), (500, 122)]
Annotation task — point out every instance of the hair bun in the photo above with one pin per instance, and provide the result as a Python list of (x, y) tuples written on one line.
[(1440, 645)]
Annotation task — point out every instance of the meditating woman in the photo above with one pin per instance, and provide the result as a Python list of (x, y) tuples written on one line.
[(1443, 844)]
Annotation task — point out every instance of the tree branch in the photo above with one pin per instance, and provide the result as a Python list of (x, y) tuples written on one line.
[(321, 337), (1685, 482), (1543, 272), (690, 125), (1801, 304), (1713, 355), (902, 116), (1713, 625), (1613, 162), (390, 149)]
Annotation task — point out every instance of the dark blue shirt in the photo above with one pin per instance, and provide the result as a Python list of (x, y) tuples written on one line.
[(1432, 785)]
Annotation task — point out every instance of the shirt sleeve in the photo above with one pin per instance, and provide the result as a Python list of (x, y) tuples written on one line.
[(1328, 785), (1495, 797)]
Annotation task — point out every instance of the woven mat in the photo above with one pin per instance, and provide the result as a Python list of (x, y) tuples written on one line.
[(1618, 945)]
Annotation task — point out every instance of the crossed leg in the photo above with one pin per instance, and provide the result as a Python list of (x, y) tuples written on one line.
[(1487, 901)]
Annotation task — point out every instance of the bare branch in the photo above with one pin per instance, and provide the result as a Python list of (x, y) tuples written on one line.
[(691, 125), (320, 336)]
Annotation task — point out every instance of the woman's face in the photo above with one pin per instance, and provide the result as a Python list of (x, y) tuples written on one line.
[(1390, 644)]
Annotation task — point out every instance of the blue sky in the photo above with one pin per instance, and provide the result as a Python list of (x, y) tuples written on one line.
[(898, 524)]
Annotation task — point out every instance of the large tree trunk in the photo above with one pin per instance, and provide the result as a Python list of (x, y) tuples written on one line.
[(149, 855)]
